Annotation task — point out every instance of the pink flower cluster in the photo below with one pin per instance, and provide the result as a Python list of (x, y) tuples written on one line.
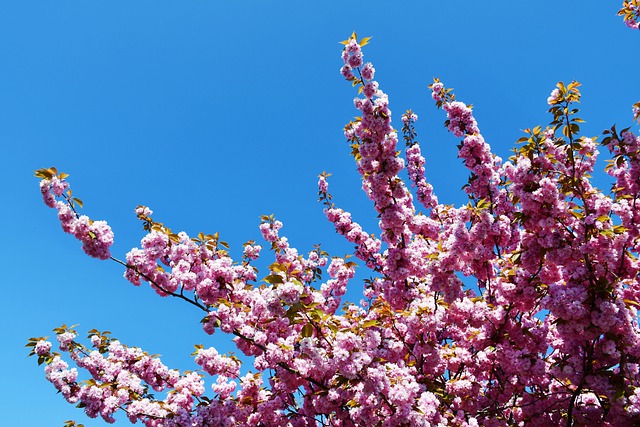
[(415, 162), (252, 251), (121, 377), (554, 98), (368, 247), (96, 236)]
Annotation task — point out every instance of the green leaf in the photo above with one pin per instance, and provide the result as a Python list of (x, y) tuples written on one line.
[(352, 403), (293, 311), (273, 279), (307, 330), (372, 322), (630, 302)]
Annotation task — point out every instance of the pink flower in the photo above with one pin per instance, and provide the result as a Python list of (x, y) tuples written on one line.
[(355, 60), (48, 198), (347, 72), (323, 185), (368, 72), (553, 98), (252, 251), (143, 211), (64, 339), (66, 216), (42, 347), (58, 186), (370, 89)]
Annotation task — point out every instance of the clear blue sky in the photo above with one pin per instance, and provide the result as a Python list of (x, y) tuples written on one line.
[(214, 113)]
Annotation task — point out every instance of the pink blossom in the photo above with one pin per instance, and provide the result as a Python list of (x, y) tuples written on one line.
[(143, 211), (368, 72), (47, 196), (553, 98), (65, 338), (347, 72), (252, 251), (42, 347)]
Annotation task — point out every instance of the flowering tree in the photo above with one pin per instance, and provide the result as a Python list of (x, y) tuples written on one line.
[(547, 336)]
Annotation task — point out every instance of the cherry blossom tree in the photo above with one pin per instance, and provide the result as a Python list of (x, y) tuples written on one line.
[(631, 12), (547, 334)]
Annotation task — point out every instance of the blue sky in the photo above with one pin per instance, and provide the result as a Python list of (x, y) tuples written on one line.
[(214, 113)]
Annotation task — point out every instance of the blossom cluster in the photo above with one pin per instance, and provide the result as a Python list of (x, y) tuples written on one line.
[(121, 378), (631, 12), (518, 308), (96, 236), (415, 162)]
